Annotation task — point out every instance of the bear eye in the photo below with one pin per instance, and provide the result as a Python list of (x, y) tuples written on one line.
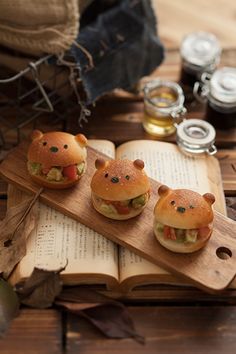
[(65, 146), (44, 143), (127, 177), (106, 175), (172, 202)]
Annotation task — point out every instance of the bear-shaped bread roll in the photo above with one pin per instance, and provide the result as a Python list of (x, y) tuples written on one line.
[(183, 219), (120, 188), (57, 159)]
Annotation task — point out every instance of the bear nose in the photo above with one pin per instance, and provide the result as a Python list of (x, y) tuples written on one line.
[(53, 149), (115, 179)]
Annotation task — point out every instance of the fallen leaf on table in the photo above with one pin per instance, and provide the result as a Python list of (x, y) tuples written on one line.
[(9, 306), (19, 222), (110, 317), (41, 288)]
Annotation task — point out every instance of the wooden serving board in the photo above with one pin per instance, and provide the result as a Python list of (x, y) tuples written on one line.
[(203, 268)]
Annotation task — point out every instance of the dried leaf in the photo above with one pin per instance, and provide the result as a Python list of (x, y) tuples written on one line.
[(9, 306), (113, 320), (41, 288), (15, 228), (110, 317)]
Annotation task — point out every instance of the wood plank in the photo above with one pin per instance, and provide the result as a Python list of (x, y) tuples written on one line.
[(136, 234), (3, 188), (3, 208), (227, 159), (197, 329), (34, 332), (177, 18), (121, 122), (167, 293)]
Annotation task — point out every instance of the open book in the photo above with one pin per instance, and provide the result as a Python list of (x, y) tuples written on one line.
[(93, 259)]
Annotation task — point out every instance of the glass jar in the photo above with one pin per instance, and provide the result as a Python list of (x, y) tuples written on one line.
[(196, 137), (221, 99), (163, 107), (200, 52)]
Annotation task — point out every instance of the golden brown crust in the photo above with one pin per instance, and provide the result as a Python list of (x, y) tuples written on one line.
[(183, 208), (116, 216), (182, 247), (42, 181), (119, 180), (57, 149)]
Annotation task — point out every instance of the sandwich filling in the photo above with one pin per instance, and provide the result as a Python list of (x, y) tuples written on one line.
[(181, 235), (124, 207), (56, 173)]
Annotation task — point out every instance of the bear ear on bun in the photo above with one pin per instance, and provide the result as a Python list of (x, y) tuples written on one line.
[(163, 190), (100, 163), (209, 198), (81, 139), (36, 134), (56, 160), (183, 219)]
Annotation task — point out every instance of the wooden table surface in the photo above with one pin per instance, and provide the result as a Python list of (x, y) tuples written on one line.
[(180, 17), (174, 320)]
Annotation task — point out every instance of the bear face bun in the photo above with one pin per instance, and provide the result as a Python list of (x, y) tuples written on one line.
[(183, 219), (56, 159), (120, 188)]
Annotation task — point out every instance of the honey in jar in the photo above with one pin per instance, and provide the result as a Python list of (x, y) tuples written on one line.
[(163, 107)]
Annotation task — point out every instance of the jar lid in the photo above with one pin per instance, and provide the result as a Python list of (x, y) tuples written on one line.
[(200, 49), (196, 136), (223, 85)]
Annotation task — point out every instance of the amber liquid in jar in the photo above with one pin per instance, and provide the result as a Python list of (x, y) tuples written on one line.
[(156, 120)]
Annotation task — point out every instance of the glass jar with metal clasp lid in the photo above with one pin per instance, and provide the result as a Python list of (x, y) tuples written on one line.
[(218, 91), (163, 107), (200, 52), (196, 137)]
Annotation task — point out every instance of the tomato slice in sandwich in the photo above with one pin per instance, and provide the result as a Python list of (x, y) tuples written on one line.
[(121, 209), (203, 231), (70, 172), (166, 231)]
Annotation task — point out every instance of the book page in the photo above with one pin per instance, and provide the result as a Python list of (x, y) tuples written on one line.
[(165, 163), (105, 146), (59, 240), (130, 264)]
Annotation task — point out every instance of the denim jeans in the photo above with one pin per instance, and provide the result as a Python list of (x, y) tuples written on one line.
[(123, 44)]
